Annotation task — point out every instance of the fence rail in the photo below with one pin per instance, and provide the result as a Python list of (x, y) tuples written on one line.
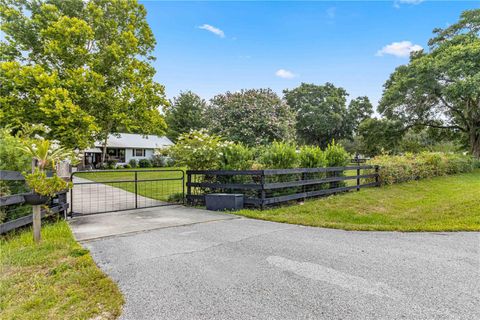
[(57, 205), (273, 186)]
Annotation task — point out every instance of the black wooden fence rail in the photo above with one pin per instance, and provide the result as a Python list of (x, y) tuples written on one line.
[(268, 187), (57, 205)]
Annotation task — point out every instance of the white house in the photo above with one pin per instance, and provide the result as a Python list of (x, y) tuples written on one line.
[(125, 147)]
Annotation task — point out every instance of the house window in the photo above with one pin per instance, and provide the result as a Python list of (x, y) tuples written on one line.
[(116, 154), (139, 152)]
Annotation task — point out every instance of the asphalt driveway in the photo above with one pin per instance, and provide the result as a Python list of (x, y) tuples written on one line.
[(250, 269)]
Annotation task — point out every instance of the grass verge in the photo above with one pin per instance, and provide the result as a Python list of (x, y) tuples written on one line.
[(56, 279), (450, 203)]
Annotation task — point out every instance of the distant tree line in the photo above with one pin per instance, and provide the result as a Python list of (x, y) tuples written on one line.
[(432, 103), (309, 114)]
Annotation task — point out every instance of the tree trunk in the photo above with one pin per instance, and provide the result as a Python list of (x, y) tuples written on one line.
[(475, 143), (104, 149)]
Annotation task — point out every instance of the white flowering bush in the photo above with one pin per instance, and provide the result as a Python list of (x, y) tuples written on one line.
[(197, 150), (253, 117)]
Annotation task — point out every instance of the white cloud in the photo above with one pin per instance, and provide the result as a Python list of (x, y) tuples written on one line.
[(397, 3), (285, 74), (213, 30), (399, 49)]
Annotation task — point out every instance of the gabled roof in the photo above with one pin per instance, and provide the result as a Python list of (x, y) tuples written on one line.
[(130, 140)]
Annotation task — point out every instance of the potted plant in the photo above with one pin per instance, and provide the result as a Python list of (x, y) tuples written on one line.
[(43, 187), (45, 154)]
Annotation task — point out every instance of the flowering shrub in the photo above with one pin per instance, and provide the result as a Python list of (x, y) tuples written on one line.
[(253, 117), (197, 150), (312, 157), (395, 169)]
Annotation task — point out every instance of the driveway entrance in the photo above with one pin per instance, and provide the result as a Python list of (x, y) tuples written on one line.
[(113, 190), (89, 227)]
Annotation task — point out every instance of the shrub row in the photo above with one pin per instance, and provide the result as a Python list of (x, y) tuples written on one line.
[(199, 150), (396, 169), (156, 161)]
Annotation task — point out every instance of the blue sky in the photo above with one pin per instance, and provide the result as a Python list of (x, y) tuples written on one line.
[(214, 47)]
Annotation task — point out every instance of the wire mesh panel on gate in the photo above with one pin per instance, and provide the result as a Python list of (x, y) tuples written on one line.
[(115, 190)]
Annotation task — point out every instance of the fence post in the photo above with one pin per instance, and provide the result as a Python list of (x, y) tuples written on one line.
[(189, 188), (37, 223), (358, 179), (377, 178), (71, 195), (136, 190), (263, 194), (183, 187)]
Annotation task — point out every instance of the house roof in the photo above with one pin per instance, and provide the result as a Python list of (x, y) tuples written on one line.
[(130, 140)]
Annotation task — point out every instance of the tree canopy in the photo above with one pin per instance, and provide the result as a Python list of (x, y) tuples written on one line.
[(379, 135), (185, 113), (83, 68), (359, 109), (253, 117), (322, 114), (441, 88)]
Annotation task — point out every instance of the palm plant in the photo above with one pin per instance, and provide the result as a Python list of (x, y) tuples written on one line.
[(45, 153)]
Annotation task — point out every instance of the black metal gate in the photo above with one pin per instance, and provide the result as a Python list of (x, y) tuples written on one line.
[(103, 191)]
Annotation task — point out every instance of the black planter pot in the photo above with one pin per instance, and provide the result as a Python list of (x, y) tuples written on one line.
[(35, 199)]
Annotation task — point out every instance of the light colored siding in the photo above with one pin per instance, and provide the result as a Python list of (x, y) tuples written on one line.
[(148, 153), (129, 154)]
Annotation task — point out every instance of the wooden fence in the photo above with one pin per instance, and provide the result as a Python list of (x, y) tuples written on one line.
[(57, 205), (269, 187)]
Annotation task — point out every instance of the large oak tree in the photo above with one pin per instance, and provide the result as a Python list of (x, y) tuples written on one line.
[(83, 68), (441, 88), (322, 114)]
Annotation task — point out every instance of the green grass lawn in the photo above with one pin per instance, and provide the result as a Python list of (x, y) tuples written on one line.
[(123, 179), (56, 279), (449, 203)]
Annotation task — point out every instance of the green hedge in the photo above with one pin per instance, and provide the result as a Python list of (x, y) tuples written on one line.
[(199, 150), (395, 169)]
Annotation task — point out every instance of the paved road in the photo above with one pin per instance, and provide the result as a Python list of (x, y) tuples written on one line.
[(250, 269)]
